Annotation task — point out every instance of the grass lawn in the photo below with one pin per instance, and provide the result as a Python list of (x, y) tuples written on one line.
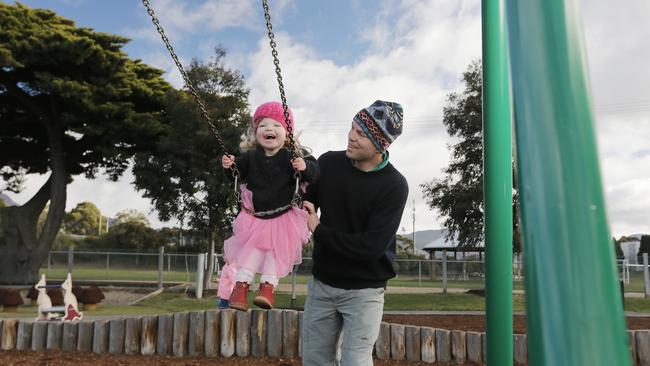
[(120, 274), (177, 302), (82, 273)]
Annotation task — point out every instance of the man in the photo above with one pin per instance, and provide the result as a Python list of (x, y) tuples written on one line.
[(361, 197)]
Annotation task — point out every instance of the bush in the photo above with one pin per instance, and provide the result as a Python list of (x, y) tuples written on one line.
[(32, 294), (11, 297), (645, 245), (56, 296), (92, 295)]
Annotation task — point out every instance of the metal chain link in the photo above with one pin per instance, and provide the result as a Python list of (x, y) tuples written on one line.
[(276, 61), (293, 150), (297, 199), (190, 86)]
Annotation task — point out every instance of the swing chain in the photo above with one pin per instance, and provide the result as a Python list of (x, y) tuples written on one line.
[(297, 199), (295, 152), (188, 83), (276, 61)]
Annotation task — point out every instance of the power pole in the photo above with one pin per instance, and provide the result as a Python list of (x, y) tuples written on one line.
[(414, 226)]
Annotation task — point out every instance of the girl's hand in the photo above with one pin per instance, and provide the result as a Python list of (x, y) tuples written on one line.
[(299, 164), (227, 161)]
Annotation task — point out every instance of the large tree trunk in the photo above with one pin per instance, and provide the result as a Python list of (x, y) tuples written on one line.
[(23, 248)]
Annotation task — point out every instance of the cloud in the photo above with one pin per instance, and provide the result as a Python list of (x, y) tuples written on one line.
[(417, 53), (181, 19), (416, 63)]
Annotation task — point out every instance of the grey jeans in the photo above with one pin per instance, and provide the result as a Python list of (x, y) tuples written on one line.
[(330, 311)]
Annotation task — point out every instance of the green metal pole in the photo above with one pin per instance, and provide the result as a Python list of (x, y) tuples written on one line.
[(573, 304), (497, 192)]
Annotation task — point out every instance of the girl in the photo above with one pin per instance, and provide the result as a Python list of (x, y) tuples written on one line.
[(269, 232)]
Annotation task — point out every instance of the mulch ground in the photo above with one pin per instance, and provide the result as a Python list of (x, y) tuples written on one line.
[(476, 323), (58, 358)]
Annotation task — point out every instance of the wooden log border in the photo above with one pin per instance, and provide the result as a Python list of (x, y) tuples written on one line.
[(257, 333)]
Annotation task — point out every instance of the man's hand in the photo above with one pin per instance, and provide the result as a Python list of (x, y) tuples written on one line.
[(313, 220), (227, 161), (299, 164)]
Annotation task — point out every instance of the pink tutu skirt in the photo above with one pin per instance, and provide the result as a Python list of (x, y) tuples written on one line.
[(267, 246)]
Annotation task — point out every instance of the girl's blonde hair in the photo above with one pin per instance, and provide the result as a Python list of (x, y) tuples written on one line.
[(249, 142)]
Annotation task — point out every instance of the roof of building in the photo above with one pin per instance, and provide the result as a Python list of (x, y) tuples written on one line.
[(444, 244)]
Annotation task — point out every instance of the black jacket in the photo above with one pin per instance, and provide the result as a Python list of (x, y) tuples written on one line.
[(271, 178), (360, 215)]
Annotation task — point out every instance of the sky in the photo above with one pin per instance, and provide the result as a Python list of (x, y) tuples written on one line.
[(339, 56)]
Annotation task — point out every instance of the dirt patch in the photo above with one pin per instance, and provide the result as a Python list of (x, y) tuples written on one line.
[(121, 297), (58, 358)]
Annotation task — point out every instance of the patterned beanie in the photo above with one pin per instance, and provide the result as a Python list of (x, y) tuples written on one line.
[(274, 111), (382, 123)]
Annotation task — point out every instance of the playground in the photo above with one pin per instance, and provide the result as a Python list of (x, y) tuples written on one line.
[(540, 194)]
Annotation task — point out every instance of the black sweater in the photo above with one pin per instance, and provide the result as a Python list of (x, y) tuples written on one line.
[(271, 178), (360, 214)]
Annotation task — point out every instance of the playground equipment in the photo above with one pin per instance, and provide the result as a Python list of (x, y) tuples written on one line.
[(68, 312)]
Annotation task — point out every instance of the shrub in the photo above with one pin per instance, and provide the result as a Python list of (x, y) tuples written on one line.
[(645, 245), (32, 295), (92, 295), (56, 296), (77, 291), (11, 298)]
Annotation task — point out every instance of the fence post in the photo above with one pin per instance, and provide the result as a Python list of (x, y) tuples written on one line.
[(161, 261), (465, 268), (419, 273), (444, 271), (433, 267), (646, 279), (199, 275), (108, 261), (293, 286), (70, 258)]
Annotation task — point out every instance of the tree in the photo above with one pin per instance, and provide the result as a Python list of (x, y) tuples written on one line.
[(71, 102), (404, 244), (184, 178), (459, 195), (83, 219), (131, 235), (617, 248), (644, 247), (131, 216)]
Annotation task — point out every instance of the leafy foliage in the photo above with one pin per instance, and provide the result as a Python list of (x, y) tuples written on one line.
[(129, 235), (71, 103), (101, 105), (131, 216), (617, 248), (183, 177), (83, 219), (459, 195), (645, 244)]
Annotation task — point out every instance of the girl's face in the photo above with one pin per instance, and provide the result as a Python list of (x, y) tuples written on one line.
[(270, 135)]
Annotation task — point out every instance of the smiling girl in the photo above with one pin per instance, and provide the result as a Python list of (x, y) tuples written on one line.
[(269, 232)]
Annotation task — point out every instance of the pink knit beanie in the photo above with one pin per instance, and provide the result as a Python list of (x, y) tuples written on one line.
[(274, 111)]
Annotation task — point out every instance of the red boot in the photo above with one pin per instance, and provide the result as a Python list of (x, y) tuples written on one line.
[(238, 298), (264, 298)]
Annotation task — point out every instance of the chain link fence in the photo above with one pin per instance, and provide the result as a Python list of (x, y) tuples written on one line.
[(142, 267)]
